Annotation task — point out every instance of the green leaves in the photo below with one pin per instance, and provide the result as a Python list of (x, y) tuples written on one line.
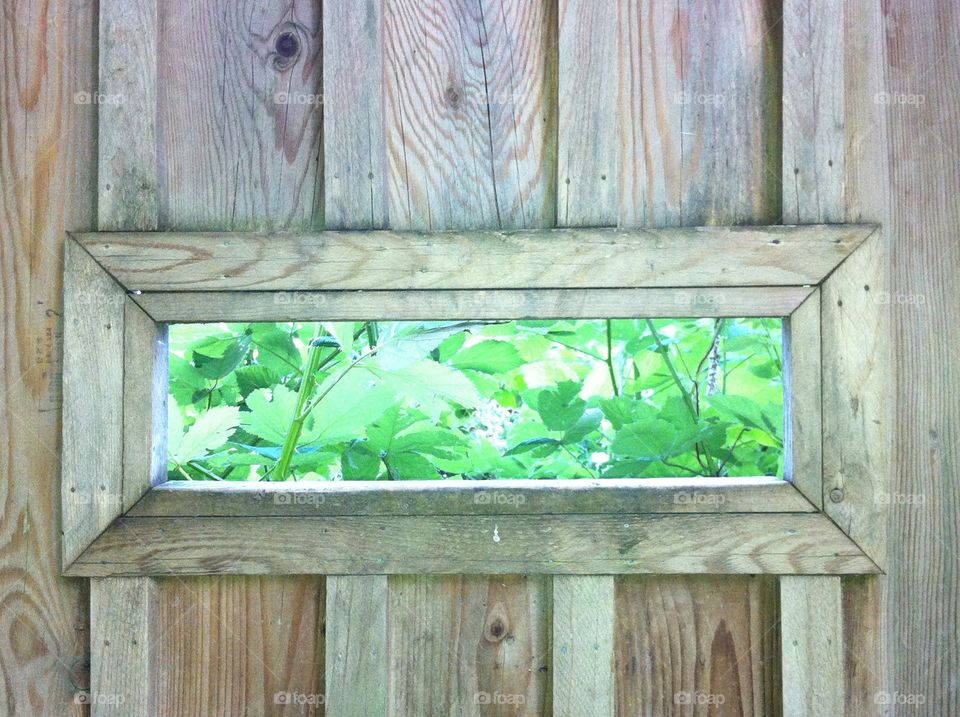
[(210, 431), (476, 400), (561, 408), (494, 357)]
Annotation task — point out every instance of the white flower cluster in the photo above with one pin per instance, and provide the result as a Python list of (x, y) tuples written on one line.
[(491, 421)]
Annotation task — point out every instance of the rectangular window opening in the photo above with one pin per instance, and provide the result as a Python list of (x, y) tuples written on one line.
[(476, 400)]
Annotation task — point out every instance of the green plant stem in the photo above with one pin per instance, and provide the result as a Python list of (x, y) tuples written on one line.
[(610, 368), (307, 386), (687, 399), (372, 334), (582, 465)]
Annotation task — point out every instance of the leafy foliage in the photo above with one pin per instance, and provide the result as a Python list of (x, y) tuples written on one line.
[(475, 400)]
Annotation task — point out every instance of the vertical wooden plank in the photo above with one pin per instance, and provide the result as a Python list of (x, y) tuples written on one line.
[(811, 627), (813, 107), (356, 643), (123, 658), (697, 645), (729, 125), (145, 385), (122, 612), (856, 407), (355, 196), (468, 93), (801, 400), (694, 134), (240, 107), (354, 156), (239, 645), (48, 175), (127, 180), (468, 111), (587, 149), (870, 608), (583, 619), (470, 645), (92, 461)]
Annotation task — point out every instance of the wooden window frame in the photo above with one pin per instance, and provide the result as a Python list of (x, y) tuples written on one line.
[(120, 517)]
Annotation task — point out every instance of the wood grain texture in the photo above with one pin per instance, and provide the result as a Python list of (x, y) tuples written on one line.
[(127, 107), (470, 645), (47, 171), (92, 461), (468, 111), (145, 384), (355, 144), (734, 302), (239, 646), (730, 129), (123, 630), (609, 495), (790, 543), (857, 412), (813, 111), (697, 645), (921, 615), (357, 652), (583, 646), (803, 425), (811, 626), (239, 115), (587, 152), (564, 258)]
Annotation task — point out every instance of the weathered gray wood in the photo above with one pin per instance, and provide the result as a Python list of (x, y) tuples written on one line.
[(122, 630), (811, 633), (648, 495), (508, 543), (857, 411), (127, 113), (92, 452), (355, 150), (186, 307), (239, 114), (813, 111), (801, 400), (583, 619), (357, 678), (587, 151), (468, 103), (560, 258), (145, 385)]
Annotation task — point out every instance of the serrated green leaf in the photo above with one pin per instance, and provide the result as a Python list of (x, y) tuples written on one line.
[(210, 431), (489, 357), (360, 462)]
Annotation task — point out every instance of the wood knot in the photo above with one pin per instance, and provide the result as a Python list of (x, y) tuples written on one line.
[(452, 97), (498, 627), (286, 46)]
